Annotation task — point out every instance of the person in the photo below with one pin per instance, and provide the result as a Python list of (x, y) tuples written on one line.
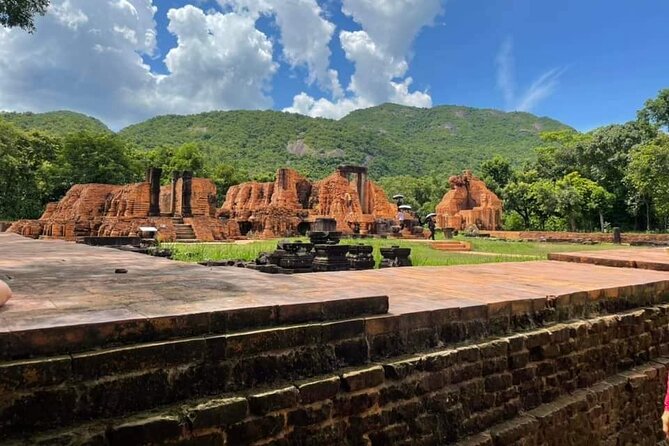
[(400, 218), (431, 226)]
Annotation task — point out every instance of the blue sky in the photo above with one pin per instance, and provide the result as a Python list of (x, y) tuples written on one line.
[(585, 63)]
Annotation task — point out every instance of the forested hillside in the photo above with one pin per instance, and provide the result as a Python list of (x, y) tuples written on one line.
[(390, 139), (56, 123)]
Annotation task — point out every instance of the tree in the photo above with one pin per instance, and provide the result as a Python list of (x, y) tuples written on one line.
[(519, 197), (496, 173), (648, 176), (90, 158), (656, 111), (579, 198), (22, 158), (21, 13), (224, 176)]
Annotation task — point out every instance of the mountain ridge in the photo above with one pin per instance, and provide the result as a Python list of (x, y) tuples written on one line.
[(390, 139)]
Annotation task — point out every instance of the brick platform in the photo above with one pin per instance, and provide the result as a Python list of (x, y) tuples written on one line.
[(651, 258), (284, 357)]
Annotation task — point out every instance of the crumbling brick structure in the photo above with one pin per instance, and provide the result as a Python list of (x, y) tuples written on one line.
[(469, 202), (119, 210), (291, 203)]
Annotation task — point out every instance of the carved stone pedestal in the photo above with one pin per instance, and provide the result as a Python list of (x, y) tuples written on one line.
[(360, 257), (331, 258), (395, 256)]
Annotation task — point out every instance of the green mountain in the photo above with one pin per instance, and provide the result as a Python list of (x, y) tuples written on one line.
[(57, 122), (450, 138), (390, 139)]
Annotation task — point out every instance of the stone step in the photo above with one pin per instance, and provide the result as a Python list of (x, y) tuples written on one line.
[(451, 245)]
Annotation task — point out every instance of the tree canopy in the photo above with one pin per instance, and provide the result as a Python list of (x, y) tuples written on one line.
[(21, 13)]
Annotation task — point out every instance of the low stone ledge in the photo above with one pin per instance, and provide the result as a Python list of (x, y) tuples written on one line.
[(449, 395)]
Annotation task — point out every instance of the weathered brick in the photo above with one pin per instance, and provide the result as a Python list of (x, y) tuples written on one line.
[(274, 400), (157, 429), (320, 390), (218, 413), (308, 415), (30, 373), (363, 379), (254, 429)]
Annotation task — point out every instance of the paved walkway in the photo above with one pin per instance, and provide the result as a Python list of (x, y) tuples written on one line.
[(60, 283)]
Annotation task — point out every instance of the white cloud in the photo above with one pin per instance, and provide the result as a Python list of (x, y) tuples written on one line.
[(380, 53), (543, 87), (86, 56), (304, 34)]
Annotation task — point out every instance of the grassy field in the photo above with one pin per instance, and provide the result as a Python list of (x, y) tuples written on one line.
[(489, 251)]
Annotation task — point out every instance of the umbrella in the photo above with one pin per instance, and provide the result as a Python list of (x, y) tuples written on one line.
[(431, 214), (405, 207), (397, 197)]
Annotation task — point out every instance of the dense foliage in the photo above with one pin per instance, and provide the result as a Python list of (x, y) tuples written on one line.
[(21, 13), (391, 140), (59, 123), (616, 175)]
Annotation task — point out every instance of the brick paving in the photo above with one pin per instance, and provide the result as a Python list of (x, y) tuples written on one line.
[(648, 258), (60, 284)]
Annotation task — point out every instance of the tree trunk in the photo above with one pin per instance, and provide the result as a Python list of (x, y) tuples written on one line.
[(572, 223), (647, 216), (601, 220)]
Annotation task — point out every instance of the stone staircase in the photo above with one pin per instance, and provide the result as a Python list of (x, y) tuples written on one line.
[(451, 245), (184, 232)]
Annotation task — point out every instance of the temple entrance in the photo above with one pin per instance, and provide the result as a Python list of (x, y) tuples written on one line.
[(245, 227), (303, 228)]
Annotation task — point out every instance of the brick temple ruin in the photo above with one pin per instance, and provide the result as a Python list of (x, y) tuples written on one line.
[(290, 205), (469, 203), (183, 209)]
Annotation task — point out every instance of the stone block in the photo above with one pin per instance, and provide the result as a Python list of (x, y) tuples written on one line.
[(320, 390), (31, 373), (363, 379), (217, 413), (246, 318), (350, 308), (91, 365), (151, 430), (336, 331), (263, 403), (310, 415), (255, 429)]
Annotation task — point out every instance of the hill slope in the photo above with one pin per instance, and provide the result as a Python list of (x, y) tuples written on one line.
[(57, 122), (450, 138), (391, 139)]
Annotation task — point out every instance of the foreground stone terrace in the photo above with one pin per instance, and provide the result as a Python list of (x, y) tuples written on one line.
[(520, 353)]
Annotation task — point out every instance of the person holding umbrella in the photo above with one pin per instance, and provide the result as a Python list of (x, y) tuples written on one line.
[(431, 225), (400, 214)]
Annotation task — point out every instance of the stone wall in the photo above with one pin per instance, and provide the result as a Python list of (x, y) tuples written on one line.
[(599, 381), (531, 372), (579, 237)]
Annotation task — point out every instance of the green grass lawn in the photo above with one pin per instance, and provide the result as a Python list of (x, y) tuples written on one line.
[(491, 250)]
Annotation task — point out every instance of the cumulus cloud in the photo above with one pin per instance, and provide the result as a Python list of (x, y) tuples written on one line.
[(87, 56), (305, 35), (543, 87), (380, 53)]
